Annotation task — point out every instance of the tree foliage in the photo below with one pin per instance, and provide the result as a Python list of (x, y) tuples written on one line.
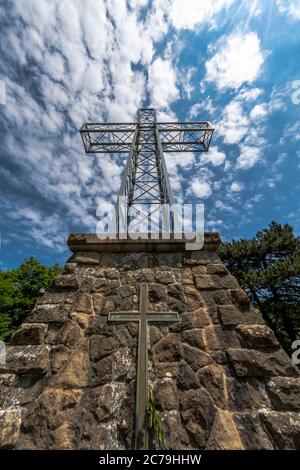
[(268, 268), (19, 290)]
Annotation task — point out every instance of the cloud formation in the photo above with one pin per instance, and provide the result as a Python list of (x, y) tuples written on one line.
[(65, 63), (238, 60)]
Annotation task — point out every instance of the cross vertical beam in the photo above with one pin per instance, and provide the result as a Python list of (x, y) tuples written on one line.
[(143, 317), (145, 180)]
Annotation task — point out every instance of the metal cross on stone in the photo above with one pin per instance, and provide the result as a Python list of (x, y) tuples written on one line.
[(145, 182), (143, 317)]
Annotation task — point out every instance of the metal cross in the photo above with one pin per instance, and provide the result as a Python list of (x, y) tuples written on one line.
[(145, 182), (143, 317)]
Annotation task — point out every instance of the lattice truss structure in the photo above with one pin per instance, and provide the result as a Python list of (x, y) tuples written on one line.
[(145, 180)]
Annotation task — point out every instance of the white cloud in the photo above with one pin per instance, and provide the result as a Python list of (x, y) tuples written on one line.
[(290, 7), (162, 83), (248, 157), (290, 133), (234, 124), (191, 13), (198, 109), (224, 207), (249, 94), (179, 160), (236, 186), (186, 81), (214, 156), (237, 61), (200, 188), (214, 223), (259, 112)]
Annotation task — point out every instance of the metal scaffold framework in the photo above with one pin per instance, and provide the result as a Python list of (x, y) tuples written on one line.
[(145, 180)]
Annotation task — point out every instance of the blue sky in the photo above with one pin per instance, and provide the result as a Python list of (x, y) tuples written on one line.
[(235, 63)]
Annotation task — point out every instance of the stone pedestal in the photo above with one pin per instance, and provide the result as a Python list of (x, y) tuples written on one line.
[(220, 377)]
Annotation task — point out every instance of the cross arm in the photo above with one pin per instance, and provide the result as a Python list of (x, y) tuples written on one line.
[(185, 136), (124, 316), (107, 137), (174, 136)]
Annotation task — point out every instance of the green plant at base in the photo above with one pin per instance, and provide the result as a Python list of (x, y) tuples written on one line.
[(155, 429)]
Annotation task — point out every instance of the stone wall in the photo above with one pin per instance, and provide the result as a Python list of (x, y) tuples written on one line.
[(221, 379)]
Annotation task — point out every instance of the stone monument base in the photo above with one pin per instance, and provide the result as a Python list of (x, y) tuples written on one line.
[(220, 377)]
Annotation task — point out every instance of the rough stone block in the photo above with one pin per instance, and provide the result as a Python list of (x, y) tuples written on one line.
[(216, 269), (212, 378), (147, 275), (66, 282), (59, 356), (284, 393), (83, 303), (166, 395), (105, 400), (26, 359), (70, 334), (6, 383), (168, 349), (203, 257), (186, 277), (251, 363), (217, 297), (204, 281), (258, 336), (284, 427), (195, 358), (82, 319), (75, 373), (25, 390), (193, 298), (220, 338), (199, 270), (194, 338), (176, 291), (231, 315), (191, 320), (47, 313), (164, 277), (186, 379), (87, 257), (100, 346), (29, 333), (223, 282), (155, 334), (51, 297), (251, 431), (246, 394), (240, 297), (123, 366), (10, 422), (198, 407), (112, 273), (157, 293), (224, 434), (101, 371)]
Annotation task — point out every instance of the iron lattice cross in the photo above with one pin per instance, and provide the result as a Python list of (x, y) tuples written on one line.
[(143, 317), (145, 180)]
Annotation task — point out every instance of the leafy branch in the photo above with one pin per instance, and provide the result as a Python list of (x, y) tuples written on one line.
[(155, 429)]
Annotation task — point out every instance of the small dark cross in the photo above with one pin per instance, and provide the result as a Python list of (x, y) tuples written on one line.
[(143, 317)]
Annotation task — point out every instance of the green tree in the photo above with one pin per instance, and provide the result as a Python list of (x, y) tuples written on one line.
[(268, 268), (6, 304), (19, 290)]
